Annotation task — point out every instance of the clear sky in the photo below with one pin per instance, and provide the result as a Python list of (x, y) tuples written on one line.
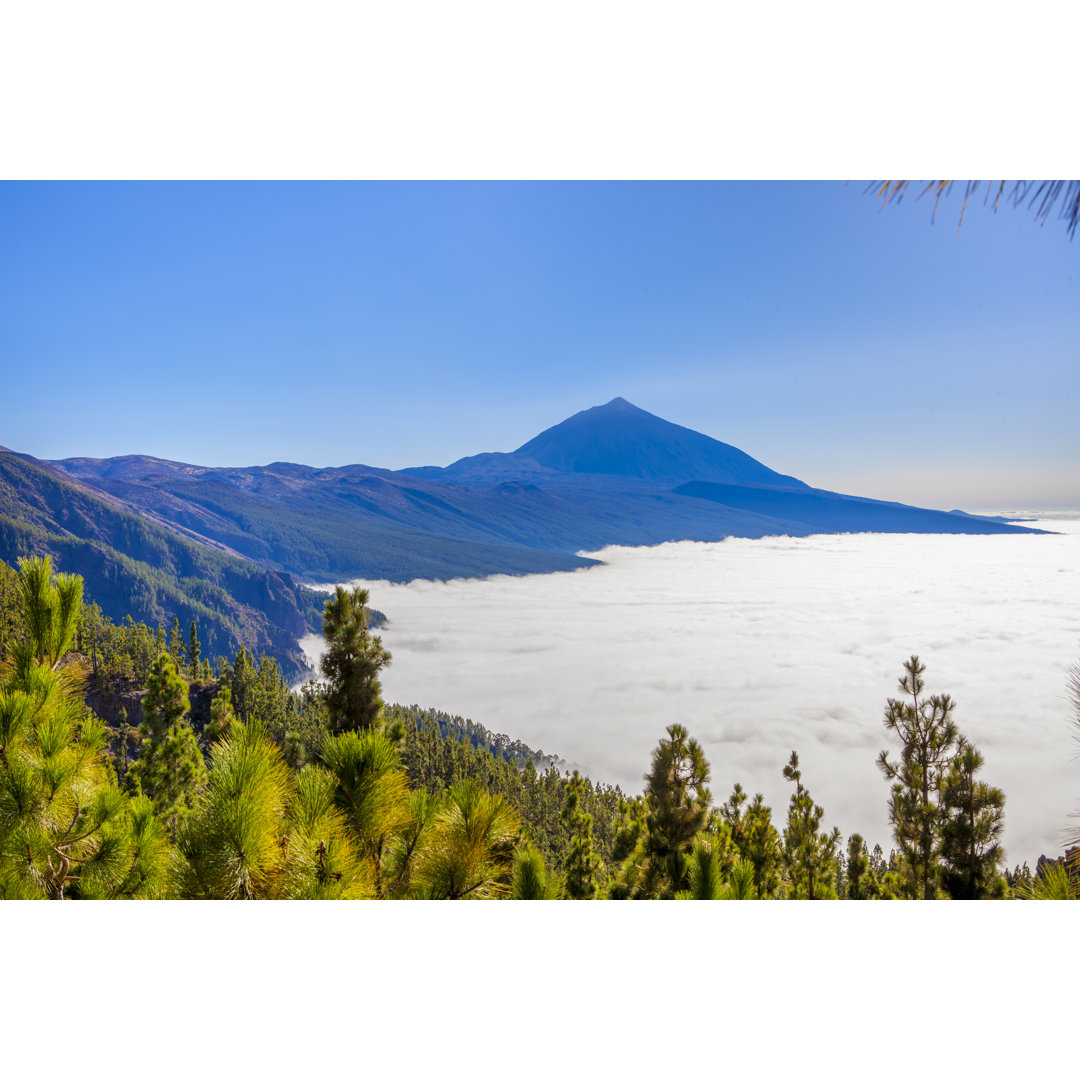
[(400, 324)]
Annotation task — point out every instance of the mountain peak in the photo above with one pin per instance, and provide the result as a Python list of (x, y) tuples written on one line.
[(621, 439)]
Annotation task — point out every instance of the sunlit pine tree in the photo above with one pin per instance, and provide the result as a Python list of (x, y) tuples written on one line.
[(808, 853), (581, 864), (352, 662), (170, 767), (974, 818), (929, 740)]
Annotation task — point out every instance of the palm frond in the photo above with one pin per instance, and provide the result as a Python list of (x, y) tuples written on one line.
[(1042, 196)]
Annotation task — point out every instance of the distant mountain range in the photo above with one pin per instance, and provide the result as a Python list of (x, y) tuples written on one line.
[(613, 474)]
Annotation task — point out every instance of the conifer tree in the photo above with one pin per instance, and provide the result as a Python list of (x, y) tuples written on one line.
[(468, 853), (705, 879), (222, 716), (761, 847), (929, 740), (170, 767), (241, 676), (732, 813), (194, 651), (372, 794), (581, 863), (63, 822), (351, 664), (858, 869), (809, 854), (974, 817), (676, 809), (234, 839), (176, 644), (529, 879)]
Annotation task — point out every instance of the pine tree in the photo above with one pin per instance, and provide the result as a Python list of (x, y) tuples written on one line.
[(468, 853), (581, 863), (529, 880), (194, 651), (176, 644), (234, 840), (64, 825), (761, 848), (929, 740), (974, 817), (170, 767), (372, 794), (351, 664), (241, 677), (732, 813), (809, 854), (676, 810), (705, 878), (222, 716), (858, 869)]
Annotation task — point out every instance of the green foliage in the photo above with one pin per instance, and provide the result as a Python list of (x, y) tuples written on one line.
[(581, 864), (740, 884), (323, 860), (132, 566), (372, 793), (169, 768), (351, 664), (194, 651), (658, 833), (1051, 882), (51, 607), (808, 853), (706, 880), (438, 750), (858, 869), (222, 716), (65, 828), (529, 880), (760, 848), (235, 839), (974, 817), (929, 740), (468, 853)]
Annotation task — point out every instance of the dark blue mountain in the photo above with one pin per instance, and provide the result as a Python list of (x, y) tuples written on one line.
[(613, 474), (619, 439)]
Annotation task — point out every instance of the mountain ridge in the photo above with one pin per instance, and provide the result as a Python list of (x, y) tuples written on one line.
[(610, 474)]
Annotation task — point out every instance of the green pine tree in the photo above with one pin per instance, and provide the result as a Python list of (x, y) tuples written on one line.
[(170, 767), (176, 645), (194, 652), (659, 832), (761, 848), (529, 879), (65, 828), (581, 864), (929, 741), (858, 869), (808, 853), (351, 664), (222, 716), (974, 817)]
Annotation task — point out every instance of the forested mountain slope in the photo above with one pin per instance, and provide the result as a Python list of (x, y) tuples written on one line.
[(133, 566)]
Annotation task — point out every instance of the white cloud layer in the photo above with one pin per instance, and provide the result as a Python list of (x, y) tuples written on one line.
[(760, 647)]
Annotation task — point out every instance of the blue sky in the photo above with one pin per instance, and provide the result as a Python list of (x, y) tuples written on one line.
[(403, 324)]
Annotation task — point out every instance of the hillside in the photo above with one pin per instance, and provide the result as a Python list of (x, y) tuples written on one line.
[(132, 566)]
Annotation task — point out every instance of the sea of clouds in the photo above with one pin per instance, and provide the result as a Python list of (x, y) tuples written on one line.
[(763, 646)]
